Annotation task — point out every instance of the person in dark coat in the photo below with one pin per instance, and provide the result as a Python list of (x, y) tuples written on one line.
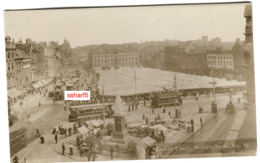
[(129, 108), (16, 159), (143, 117), (42, 139), (56, 138), (69, 130), (162, 136), (147, 121), (38, 133), (192, 125), (65, 131), (164, 110), (94, 155), (54, 131), (63, 148), (144, 102), (111, 152)]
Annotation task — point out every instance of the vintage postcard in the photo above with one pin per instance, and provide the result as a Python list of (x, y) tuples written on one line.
[(130, 82)]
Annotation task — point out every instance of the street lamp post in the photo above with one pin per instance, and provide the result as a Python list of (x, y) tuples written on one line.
[(103, 105), (135, 86), (28, 110), (214, 104), (175, 89)]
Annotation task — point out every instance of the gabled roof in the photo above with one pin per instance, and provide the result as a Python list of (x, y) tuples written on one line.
[(21, 54), (24, 47)]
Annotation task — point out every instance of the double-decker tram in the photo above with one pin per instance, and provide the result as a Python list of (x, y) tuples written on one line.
[(90, 112), (165, 98)]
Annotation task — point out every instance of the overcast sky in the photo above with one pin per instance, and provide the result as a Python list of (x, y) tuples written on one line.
[(127, 24)]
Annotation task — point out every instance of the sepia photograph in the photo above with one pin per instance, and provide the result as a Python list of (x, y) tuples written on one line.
[(130, 82)]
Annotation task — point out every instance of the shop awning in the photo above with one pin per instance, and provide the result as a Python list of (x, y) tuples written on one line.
[(37, 85), (83, 130), (148, 141), (14, 93)]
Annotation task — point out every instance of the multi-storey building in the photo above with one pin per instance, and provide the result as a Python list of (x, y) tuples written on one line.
[(23, 69), (10, 62), (53, 61), (220, 61), (115, 59)]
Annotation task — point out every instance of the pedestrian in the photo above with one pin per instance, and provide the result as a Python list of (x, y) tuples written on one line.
[(111, 152), (164, 110), (54, 131), (38, 133), (69, 130), (129, 108), (192, 125), (71, 148), (133, 107), (65, 131), (136, 106), (16, 159), (77, 141), (201, 123), (162, 136), (153, 110), (169, 113), (143, 117), (94, 155), (147, 121), (89, 155), (56, 138), (63, 148), (144, 102), (42, 139)]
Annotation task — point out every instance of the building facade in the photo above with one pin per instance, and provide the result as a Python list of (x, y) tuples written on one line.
[(115, 59), (10, 62), (220, 61)]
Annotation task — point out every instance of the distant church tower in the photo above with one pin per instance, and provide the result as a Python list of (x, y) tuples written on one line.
[(249, 57)]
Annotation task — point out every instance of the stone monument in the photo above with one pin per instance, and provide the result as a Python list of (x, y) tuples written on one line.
[(120, 133)]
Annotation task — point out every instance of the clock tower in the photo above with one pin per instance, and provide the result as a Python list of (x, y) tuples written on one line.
[(248, 67)]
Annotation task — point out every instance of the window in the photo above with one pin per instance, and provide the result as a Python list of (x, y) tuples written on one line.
[(8, 55), (12, 65), (8, 66)]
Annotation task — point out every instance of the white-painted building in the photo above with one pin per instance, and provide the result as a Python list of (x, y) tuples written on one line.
[(116, 60), (220, 61)]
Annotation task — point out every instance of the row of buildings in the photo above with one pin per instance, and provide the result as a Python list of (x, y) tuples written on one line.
[(115, 59), (31, 65), (199, 57), (202, 61)]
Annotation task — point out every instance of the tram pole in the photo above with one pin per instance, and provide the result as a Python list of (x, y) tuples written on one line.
[(135, 87), (103, 105)]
